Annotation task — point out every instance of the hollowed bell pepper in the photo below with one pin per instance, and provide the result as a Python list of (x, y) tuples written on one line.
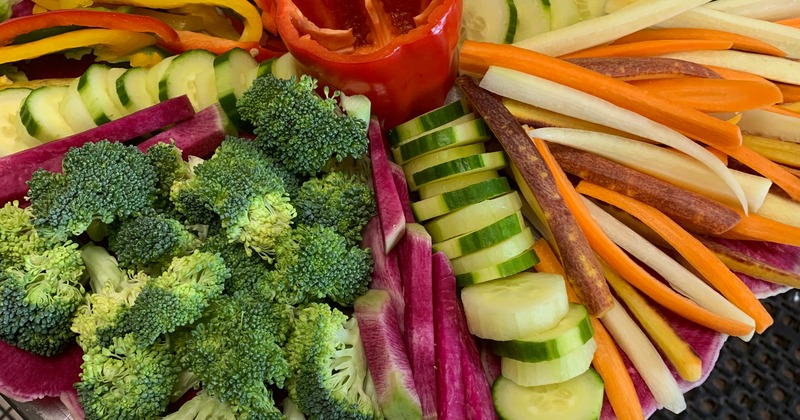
[(11, 29), (399, 53)]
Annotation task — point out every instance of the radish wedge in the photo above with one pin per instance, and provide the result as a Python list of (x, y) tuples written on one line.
[(385, 269), (16, 169), (419, 330), (390, 209), (450, 390), (388, 363), (402, 190), (27, 377), (198, 136), (565, 100), (603, 29)]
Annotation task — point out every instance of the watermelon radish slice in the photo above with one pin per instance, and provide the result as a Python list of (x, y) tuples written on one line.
[(23, 8), (419, 330), (385, 270), (402, 190), (70, 400), (27, 377), (388, 363), (390, 210), (198, 136), (450, 391), (489, 360)]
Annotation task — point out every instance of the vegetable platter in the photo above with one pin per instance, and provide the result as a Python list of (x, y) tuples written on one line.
[(453, 209)]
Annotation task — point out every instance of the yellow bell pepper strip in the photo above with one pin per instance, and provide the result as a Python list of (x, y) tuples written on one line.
[(199, 41), (176, 22), (115, 43), (247, 11), (214, 21), (11, 29), (62, 4)]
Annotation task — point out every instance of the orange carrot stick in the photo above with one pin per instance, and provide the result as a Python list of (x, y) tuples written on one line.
[(758, 228), (780, 176), (782, 111), (720, 155), (607, 359), (740, 42), (476, 57), (701, 258), (713, 95), (650, 48), (793, 22), (625, 266), (791, 93)]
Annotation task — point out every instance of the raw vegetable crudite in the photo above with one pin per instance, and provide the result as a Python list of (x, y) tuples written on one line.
[(399, 54)]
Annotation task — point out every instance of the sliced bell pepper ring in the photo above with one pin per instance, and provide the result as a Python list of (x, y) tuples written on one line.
[(114, 43), (268, 15), (401, 54), (198, 41), (11, 29)]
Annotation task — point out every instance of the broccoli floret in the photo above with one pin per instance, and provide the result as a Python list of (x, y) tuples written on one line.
[(301, 129), (100, 317), (169, 166), (338, 200), (100, 181), (148, 240), (240, 184), (247, 270), (125, 381), (318, 263), (330, 377), (177, 297), (187, 201), (18, 236), (236, 351), (38, 300), (207, 407)]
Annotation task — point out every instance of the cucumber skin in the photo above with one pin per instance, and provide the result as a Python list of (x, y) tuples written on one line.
[(427, 121), (475, 241), (554, 348), (512, 266), (455, 167), (466, 196), (476, 131)]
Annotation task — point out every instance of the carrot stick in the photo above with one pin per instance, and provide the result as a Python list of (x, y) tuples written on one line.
[(791, 93), (713, 95), (607, 360), (649, 48), (623, 264), (476, 57), (703, 260), (776, 173), (720, 155), (793, 22), (740, 42), (758, 228), (782, 111)]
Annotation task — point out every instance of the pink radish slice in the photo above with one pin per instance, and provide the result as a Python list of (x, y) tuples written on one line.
[(402, 190), (27, 377), (390, 210), (385, 269), (450, 391)]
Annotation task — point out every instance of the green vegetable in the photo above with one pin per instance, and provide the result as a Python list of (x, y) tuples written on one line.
[(149, 240), (329, 367)]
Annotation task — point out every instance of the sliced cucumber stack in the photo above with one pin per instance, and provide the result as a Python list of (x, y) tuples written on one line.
[(496, 232), (93, 88), (191, 74), (474, 217), (489, 21), (509, 267), (234, 72), (428, 121), (533, 18), (462, 166), (132, 89), (495, 254), (552, 371), (454, 200), (580, 398), (513, 307), (463, 134), (283, 67), (41, 116), (154, 76), (429, 161), (13, 136), (74, 111)]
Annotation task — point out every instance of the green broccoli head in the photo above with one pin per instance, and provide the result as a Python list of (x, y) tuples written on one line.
[(247, 269), (148, 240), (38, 300), (338, 200), (330, 376), (318, 263), (169, 166), (236, 351), (303, 130), (126, 381), (100, 181), (18, 236), (241, 185), (177, 297)]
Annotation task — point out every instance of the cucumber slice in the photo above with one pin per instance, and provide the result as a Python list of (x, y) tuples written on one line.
[(283, 67), (13, 136), (580, 398), (549, 372), (191, 74), (74, 111), (427, 121), (474, 217), (590, 9), (494, 254), (437, 158), (132, 90), (441, 187), (533, 18), (154, 76), (494, 233), (111, 87), (444, 138), (233, 72), (454, 200), (457, 167), (92, 86), (514, 265), (460, 120), (573, 331), (563, 13), (516, 306), (41, 116), (489, 21)]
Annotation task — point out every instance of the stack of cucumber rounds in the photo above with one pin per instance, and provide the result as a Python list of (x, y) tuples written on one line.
[(473, 214)]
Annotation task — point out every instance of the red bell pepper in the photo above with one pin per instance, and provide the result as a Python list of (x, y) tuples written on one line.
[(401, 54), (12, 28), (198, 41)]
